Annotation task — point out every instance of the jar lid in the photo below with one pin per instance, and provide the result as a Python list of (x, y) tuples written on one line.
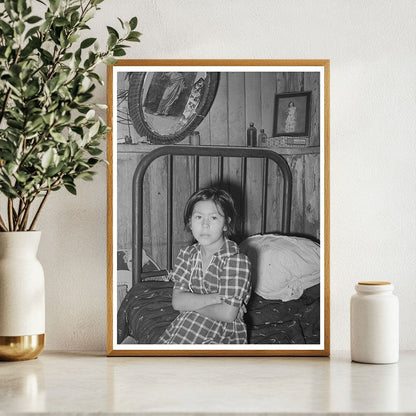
[(374, 283), (370, 287)]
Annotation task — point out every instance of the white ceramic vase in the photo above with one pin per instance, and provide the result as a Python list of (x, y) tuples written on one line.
[(22, 296)]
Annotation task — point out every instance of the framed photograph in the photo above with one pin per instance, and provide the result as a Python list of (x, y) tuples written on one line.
[(217, 248), (292, 114)]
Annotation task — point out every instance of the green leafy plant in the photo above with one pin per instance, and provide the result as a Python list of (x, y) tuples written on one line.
[(50, 133)]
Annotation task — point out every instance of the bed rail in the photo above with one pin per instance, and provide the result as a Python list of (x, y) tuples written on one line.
[(220, 152)]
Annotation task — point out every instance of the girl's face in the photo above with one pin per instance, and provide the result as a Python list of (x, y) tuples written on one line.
[(208, 225)]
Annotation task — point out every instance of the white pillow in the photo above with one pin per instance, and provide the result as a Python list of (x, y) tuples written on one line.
[(282, 267)]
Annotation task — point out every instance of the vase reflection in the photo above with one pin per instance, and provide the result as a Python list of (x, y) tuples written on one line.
[(24, 389)]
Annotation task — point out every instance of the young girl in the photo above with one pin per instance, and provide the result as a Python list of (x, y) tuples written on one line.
[(211, 278)]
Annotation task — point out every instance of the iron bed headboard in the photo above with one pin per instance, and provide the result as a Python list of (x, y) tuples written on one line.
[(220, 152)]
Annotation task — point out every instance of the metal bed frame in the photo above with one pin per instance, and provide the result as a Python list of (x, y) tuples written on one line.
[(196, 152)]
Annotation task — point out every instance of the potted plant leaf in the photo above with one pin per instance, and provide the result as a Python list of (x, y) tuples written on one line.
[(50, 137)]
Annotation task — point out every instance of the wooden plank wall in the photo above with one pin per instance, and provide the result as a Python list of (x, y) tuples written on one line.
[(241, 98)]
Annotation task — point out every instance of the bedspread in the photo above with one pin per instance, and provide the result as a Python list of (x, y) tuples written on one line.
[(278, 322), (146, 311)]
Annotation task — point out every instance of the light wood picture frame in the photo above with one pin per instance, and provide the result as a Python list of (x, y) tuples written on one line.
[(178, 126)]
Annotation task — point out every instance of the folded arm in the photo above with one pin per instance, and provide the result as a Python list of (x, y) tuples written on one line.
[(188, 301), (220, 312), (209, 305)]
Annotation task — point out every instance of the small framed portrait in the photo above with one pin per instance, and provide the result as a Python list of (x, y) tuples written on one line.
[(292, 114)]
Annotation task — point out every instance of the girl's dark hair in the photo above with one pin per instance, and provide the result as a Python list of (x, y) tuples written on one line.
[(222, 199)]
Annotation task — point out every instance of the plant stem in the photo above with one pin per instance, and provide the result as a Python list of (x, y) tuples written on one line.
[(39, 209), (26, 216), (3, 109), (2, 225), (21, 214), (10, 213)]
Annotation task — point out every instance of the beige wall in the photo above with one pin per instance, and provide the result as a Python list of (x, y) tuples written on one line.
[(373, 146)]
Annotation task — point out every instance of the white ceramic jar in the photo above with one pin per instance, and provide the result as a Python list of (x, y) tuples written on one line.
[(374, 323)]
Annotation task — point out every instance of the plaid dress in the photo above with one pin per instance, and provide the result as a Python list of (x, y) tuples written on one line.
[(229, 275)]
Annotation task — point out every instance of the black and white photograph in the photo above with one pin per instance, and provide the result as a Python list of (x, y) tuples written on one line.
[(217, 230)]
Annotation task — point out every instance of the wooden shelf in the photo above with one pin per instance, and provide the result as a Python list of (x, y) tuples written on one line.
[(146, 148)]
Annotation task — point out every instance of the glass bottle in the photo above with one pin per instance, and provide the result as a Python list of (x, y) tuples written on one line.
[(195, 138), (251, 136), (262, 139)]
